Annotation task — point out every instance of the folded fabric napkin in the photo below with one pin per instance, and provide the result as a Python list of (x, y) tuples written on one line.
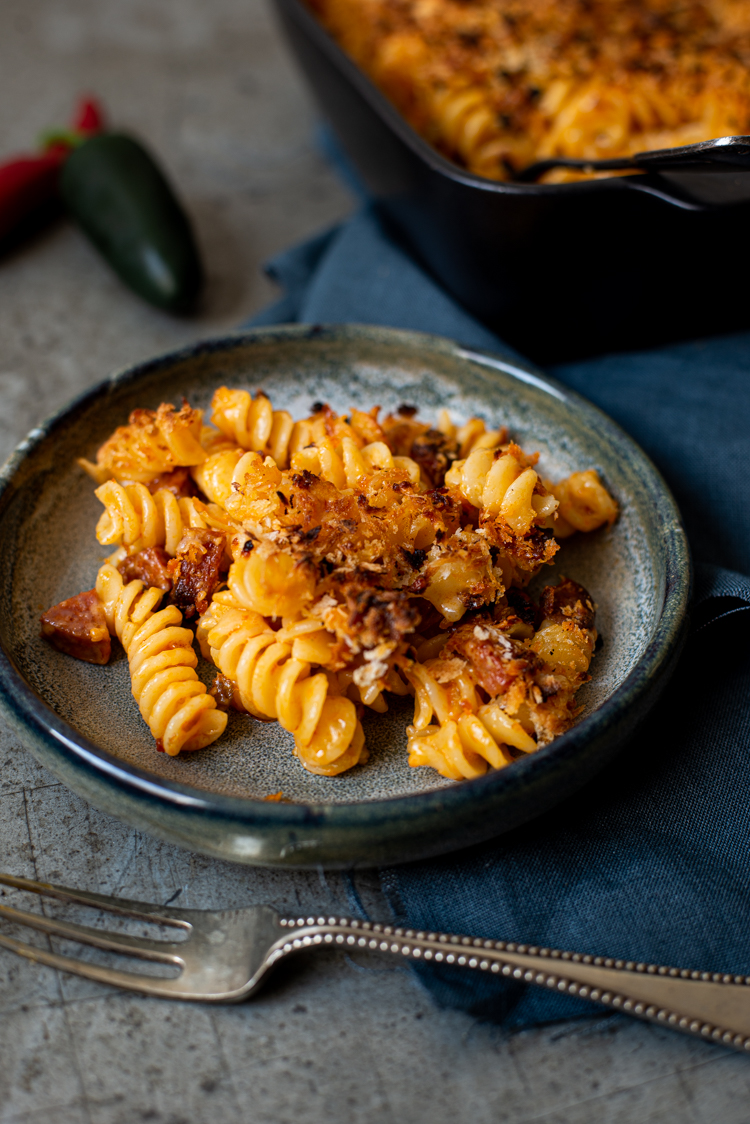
[(651, 861)]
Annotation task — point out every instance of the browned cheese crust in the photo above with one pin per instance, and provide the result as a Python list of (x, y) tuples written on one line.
[(496, 86), (497, 651)]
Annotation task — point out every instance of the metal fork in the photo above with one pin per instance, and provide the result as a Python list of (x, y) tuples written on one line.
[(226, 954), (722, 154)]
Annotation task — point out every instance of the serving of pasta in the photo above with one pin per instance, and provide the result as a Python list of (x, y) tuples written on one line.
[(327, 563), (497, 85)]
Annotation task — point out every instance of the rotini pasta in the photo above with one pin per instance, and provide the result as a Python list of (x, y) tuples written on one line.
[(154, 442), (350, 465), (462, 734), (496, 87), (472, 435), (273, 680), (272, 582), (503, 486), (584, 503), (252, 423), (527, 676), (330, 562), (172, 700), (135, 519)]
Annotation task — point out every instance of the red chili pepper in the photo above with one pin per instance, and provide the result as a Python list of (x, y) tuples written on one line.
[(30, 183), (89, 117), (26, 185)]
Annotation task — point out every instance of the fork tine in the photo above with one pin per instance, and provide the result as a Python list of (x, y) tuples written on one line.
[(147, 911), (147, 985), (115, 942)]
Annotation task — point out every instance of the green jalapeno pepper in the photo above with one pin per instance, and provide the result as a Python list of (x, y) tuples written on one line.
[(121, 200)]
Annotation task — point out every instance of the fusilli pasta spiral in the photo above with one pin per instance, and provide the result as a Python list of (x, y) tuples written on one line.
[(272, 582), (134, 518), (252, 423), (172, 700), (473, 434), (584, 503), (469, 737), (273, 682), (349, 465), (154, 442), (504, 487)]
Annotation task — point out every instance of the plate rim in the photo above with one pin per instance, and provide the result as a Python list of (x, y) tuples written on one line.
[(35, 718)]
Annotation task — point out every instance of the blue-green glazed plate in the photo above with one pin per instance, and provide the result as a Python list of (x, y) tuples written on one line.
[(80, 721)]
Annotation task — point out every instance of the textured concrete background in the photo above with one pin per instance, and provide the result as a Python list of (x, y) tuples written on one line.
[(333, 1039)]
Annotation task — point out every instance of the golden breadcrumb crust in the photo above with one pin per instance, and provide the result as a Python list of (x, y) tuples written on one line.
[(497, 85)]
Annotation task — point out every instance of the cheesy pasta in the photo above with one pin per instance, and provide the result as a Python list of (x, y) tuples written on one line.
[(498, 84), (330, 562)]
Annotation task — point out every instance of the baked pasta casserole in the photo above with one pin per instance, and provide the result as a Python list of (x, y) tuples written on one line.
[(496, 85), (329, 562)]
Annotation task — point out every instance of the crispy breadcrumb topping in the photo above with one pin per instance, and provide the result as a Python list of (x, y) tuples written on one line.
[(336, 560), (497, 86)]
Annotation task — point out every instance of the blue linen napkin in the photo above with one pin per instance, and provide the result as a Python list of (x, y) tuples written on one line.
[(651, 861)]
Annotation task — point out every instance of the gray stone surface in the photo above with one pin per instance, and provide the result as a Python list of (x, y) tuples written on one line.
[(333, 1039)]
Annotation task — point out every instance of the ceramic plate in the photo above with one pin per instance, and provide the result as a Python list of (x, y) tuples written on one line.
[(81, 722)]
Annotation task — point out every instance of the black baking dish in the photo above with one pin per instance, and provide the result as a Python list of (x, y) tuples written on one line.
[(558, 271)]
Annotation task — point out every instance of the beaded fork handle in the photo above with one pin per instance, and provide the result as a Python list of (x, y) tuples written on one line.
[(711, 1005)]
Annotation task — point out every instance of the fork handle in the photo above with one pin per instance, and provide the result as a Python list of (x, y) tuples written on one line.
[(711, 1005)]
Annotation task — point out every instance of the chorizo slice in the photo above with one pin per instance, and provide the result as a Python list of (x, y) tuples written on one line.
[(496, 661), (78, 627), (148, 566), (179, 482), (195, 570)]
